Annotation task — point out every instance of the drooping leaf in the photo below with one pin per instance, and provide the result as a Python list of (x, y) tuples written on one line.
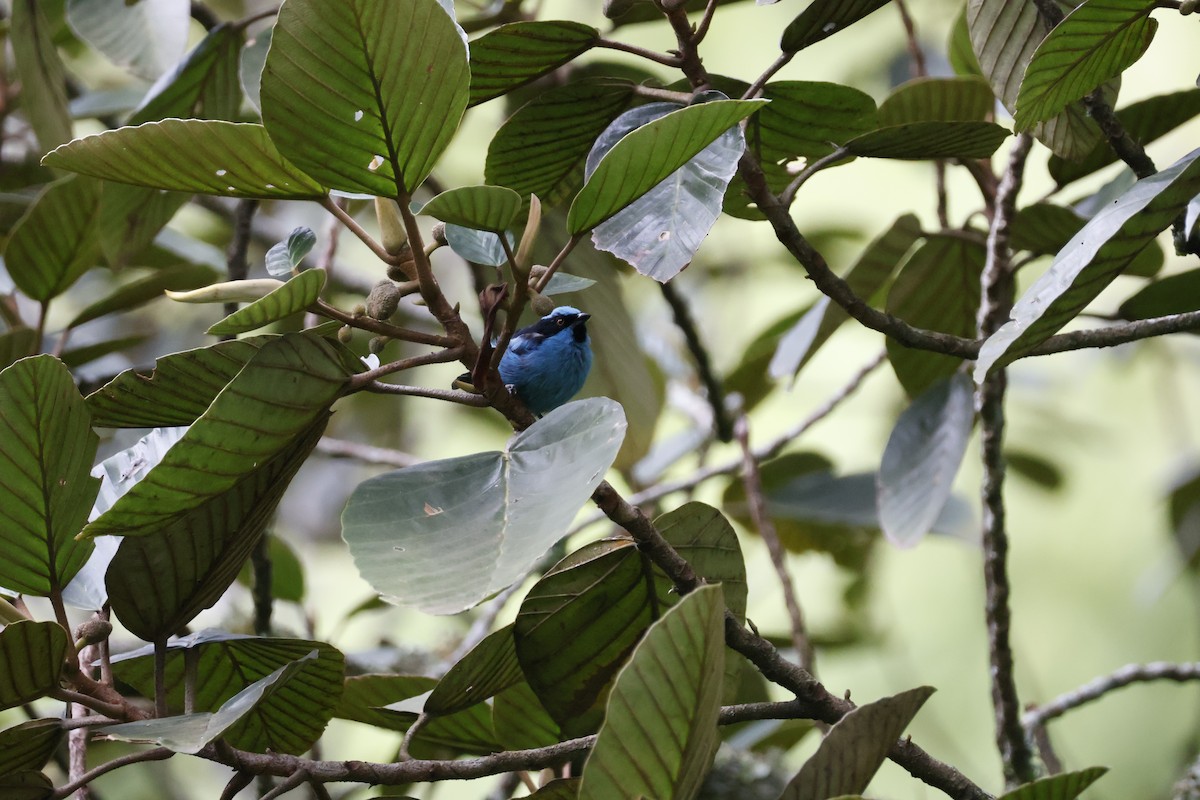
[(517, 53), (659, 232), (648, 155), (191, 732), (1174, 294), (855, 747), (1004, 36), (488, 208), (922, 140), (204, 85), (922, 456), (660, 734), (498, 511), (1102, 250), (31, 659), (43, 82), (938, 100), (478, 247), (293, 297), (541, 148), (1095, 42), (46, 450), (1065, 786), (364, 95), (490, 668), (148, 37), (822, 19), (29, 745), (283, 390), (521, 721), (1145, 121), (56, 240), (868, 275), (158, 583), (285, 256), (149, 286), (938, 289), (287, 719), (192, 155), (177, 392), (365, 699)]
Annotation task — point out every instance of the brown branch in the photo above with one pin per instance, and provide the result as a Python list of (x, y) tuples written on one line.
[(364, 379), (157, 754), (658, 58), (544, 280), (757, 502), (1134, 673), (1118, 334), (352, 225), (449, 395), (380, 327), (998, 288), (712, 384)]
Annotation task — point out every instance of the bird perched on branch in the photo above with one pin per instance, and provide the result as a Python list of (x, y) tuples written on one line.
[(546, 363)]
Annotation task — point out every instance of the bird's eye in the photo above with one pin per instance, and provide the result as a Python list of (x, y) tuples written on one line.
[(560, 322)]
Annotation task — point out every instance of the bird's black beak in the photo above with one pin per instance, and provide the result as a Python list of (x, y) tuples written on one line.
[(582, 318)]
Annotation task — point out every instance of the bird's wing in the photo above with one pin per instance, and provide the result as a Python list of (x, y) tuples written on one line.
[(524, 343)]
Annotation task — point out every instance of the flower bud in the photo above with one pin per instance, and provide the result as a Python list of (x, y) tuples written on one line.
[(383, 300)]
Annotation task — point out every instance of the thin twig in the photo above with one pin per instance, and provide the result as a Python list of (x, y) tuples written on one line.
[(262, 570), (286, 785), (998, 288), (710, 9), (369, 377), (237, 265), (756, 88), (658, 58), (788, 195), (1118, 334), (666, 95), (1133, 673), (919, 70), (100, 706), (757, 503), (382, 328), (370, 454), (712, 384), (157, 754), (449, 395), (352, 225), (558, 261)]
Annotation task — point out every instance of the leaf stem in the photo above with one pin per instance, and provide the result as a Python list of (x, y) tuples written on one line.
[(380, 327), (352, 225), (789, 194), (558, 261), (156, 754), (1038, 716), (651, 55), (449, 395), (363, 379)]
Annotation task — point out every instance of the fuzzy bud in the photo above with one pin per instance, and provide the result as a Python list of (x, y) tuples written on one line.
[(377, 343), (92, 631), (345, 334), (540, 304), (383, 300), (439, 233)]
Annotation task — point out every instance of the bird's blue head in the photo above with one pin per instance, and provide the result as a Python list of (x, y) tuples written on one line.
[(547, 362)]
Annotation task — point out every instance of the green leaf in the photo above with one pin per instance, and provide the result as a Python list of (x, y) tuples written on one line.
[(26, 785), (1145, 121), (487, 208), (578, 625), (158, 583), (658, 234), (1108, 243), (285, 256), (364, 95), (130, 219), (467, 732), (923, 454), (868, 275), (921, 140), (855, 747), (478, 247), (1004, 36), (1174, 294), (287, 572), (961, 55), (560, 789), (517, 53), (17, 343), (204, 85), (365, 697), (938, 289), (562, 283), (43, 81), (75, 357), (808, 119), (822, 19), (191, 732), (1066, 786), (141, 290), (287, 719), (1044, 228), (660, 731), (293, 297), (189, 155), (29, 745), (541, 148), (490, 668), (180, 388), (56, 240), (283, 390), (251, 63), (649, 154), (1095, 42), (499, 512), (521, 721), (31, 658), (148, 37), (938, 100), (46, 451)]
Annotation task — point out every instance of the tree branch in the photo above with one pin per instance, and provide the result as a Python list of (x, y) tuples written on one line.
[(998, 289), (1094, 690), (157, 754), (712, 384)]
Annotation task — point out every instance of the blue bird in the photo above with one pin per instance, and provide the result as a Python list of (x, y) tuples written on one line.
[(547, 362)]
